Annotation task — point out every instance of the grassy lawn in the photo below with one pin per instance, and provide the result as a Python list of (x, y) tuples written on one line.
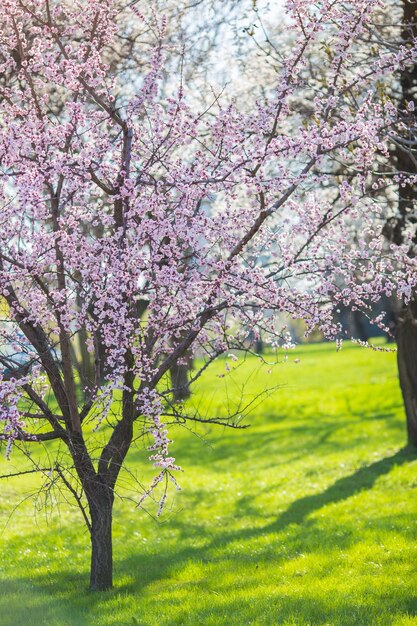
[(307, 517)]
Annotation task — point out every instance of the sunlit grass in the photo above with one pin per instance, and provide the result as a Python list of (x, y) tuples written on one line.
[(306, 517)]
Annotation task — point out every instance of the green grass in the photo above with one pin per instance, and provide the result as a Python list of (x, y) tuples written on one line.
[(306, 517)]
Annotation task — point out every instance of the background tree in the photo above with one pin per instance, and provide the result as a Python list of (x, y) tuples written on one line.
[(391, 27), (117, 198)]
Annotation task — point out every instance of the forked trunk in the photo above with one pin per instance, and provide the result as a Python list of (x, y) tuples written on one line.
[(101, 575), (407, 367)]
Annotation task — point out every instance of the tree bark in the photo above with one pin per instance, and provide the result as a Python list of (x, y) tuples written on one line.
[(101, 511), (179, 381), (407, 367), (360, 326)]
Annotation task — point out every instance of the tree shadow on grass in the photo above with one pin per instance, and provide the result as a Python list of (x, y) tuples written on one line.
[(304, 607), (47, 596), (297, 513), (344, 488)]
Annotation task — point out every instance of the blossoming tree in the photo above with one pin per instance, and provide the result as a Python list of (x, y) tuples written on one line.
[(158, 231)]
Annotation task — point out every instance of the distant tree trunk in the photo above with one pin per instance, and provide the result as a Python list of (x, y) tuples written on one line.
[(392, 319), (179, 381), (259, 346), (360, 326), (86, 365), (407, 367), (83, 360), (101, 511)]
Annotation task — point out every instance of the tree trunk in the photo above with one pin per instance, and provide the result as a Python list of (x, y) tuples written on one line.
[(101, 510), (259, 346), (407, 367), (397, 225), (179, 381), (359, 324)]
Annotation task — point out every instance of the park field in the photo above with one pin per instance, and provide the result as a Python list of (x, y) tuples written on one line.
[(307, 517)]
